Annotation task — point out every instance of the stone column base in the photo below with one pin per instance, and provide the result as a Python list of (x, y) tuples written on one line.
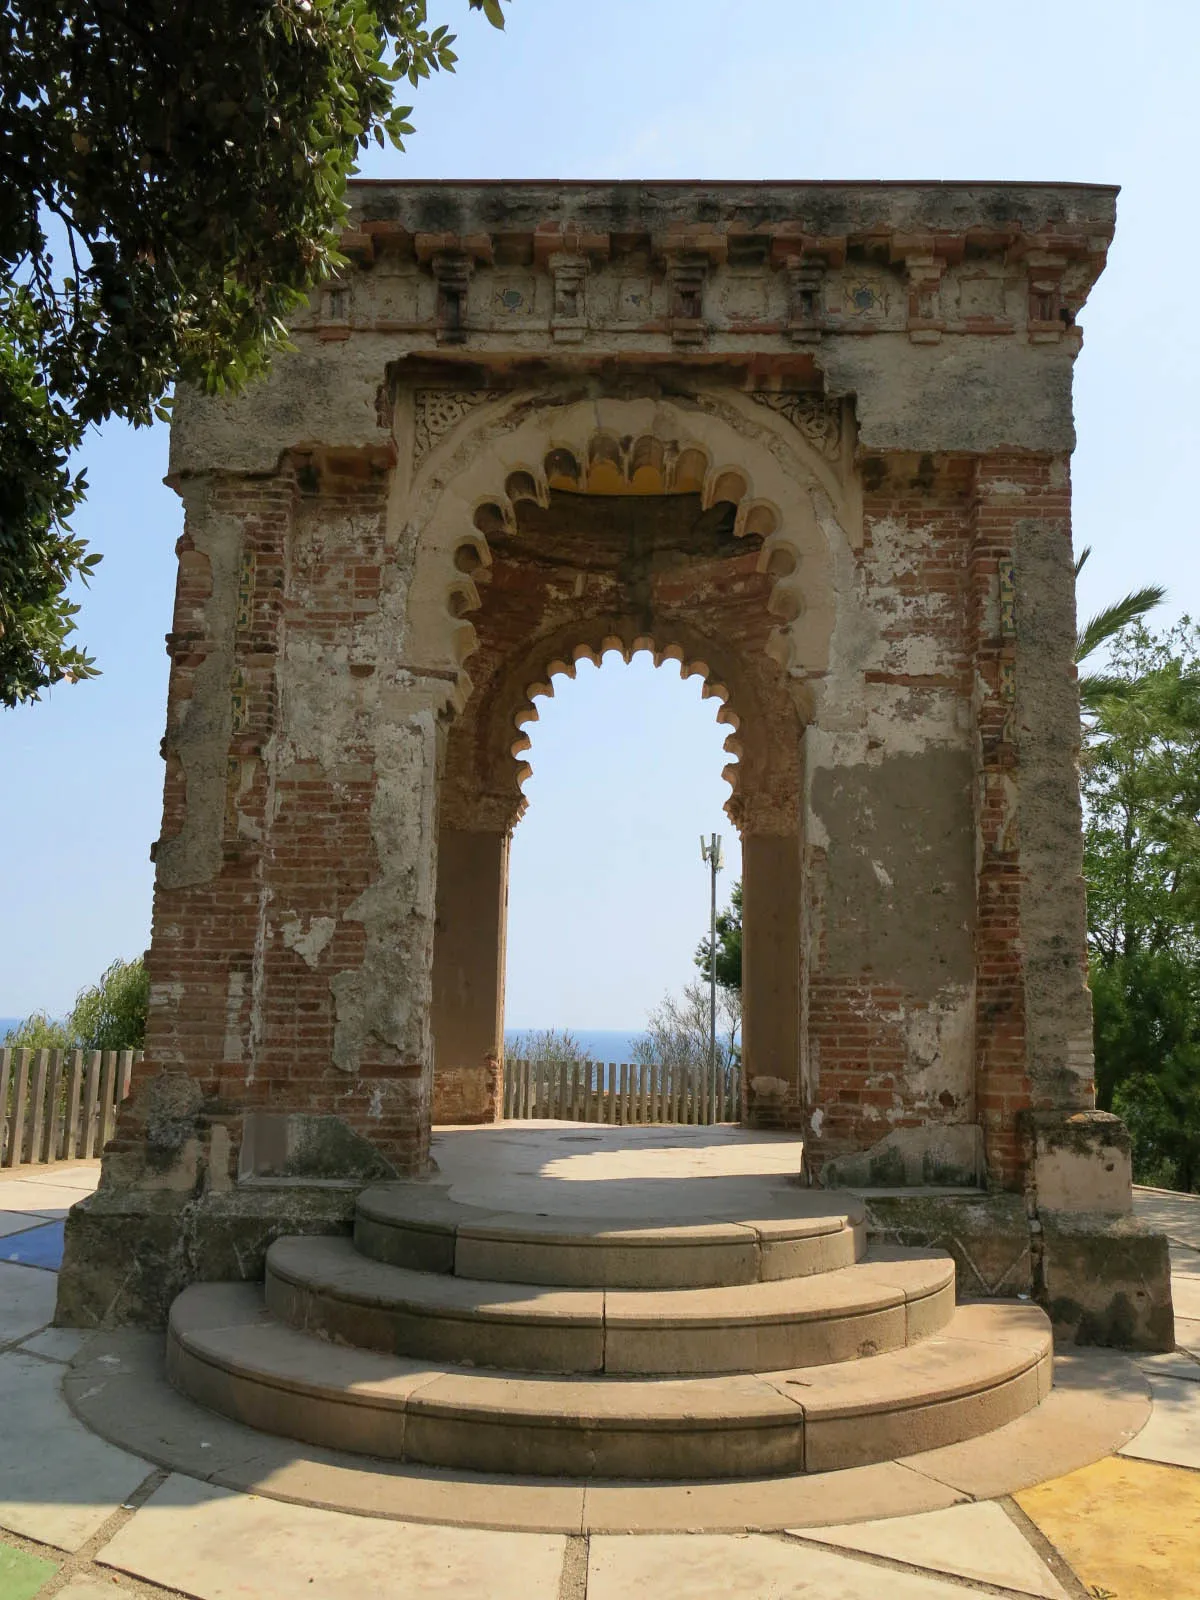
[(129, 1252), (1102, 1279)]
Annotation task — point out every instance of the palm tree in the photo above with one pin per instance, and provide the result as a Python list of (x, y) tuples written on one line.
[(1105, 625)]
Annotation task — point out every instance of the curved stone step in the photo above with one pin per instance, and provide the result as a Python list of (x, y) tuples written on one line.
[(410, 1225), (323, 1285), (991, 1364)]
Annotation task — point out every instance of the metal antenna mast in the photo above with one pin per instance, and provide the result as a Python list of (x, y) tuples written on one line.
[(711, 852)]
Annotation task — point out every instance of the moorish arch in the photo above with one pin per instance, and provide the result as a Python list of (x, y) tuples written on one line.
[(814, 437), (621, 525)]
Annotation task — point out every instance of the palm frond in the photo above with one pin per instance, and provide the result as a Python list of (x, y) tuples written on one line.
[(1096, 687), (1105, 624), (1081, 559)]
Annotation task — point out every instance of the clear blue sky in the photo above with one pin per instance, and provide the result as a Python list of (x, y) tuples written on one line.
[(608, 893)]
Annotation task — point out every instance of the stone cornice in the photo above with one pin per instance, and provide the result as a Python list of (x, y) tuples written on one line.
[(524, 221)]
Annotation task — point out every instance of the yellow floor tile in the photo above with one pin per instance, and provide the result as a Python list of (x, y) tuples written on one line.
[(1130, 1529)]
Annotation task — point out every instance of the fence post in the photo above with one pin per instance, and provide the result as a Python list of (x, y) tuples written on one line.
[(91, 1093), (5, 1078), (54, 1119), (108, 1095), (37, 1107), (20, 1100), (74, 1086)]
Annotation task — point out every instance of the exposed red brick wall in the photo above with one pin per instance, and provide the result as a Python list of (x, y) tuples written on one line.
[(1003, 1080), (864, 1083), (246, 1016)]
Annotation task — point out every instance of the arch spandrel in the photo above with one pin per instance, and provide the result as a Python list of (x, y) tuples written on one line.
[(468, 484)]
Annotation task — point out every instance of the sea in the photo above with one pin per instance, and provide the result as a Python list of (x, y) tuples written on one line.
[(598, 1044)]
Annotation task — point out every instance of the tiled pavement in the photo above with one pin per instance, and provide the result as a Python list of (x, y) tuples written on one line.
[(85, 1520)]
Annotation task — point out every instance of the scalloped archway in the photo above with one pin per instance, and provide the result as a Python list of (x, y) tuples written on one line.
[(545, 533)]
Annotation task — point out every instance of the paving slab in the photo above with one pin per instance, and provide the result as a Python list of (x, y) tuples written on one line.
[(1185, 1291), (1187, 1335), (64, 1344), (35, 1247), (49, 1200), (93, 1589), (750, 1567), (977, 1541), (27, 1296), (18, 1222), (83, 1175), (22, 1575), (58, 1481), (1170, 1364), (1129, 1529), (1176, 1215), (205, 1541), (1173, 1432)]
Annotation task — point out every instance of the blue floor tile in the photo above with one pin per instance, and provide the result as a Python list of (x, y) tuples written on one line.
[(37, 1247)]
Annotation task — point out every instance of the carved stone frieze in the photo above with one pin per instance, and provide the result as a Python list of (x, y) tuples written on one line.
[(819, 420), (436, 411)]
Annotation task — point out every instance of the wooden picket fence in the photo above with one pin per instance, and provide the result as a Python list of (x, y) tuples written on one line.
[(620, 1093), (60, 1105)]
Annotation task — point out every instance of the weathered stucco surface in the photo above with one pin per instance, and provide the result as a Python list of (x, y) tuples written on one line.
[(809, 441)]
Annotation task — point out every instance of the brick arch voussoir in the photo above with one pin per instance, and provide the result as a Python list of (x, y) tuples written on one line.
[(584, 447)]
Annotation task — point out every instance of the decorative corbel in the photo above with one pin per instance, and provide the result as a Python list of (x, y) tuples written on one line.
[(452, 274), (568, 322), (1047, 315), (565, 251), (806, 284), (923, 271), (686, 277), (333, 318)]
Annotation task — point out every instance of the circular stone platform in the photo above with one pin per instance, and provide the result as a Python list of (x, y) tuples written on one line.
[(552, 1192)]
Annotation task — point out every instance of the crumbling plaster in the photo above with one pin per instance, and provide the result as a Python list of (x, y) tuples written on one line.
[(1058, 1005), (199, 727)]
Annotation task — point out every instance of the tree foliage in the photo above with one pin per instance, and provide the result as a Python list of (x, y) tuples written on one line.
[(546, 1047), (677, 1030), (1141, 789), (172, 184), (729, 945), (110, 1015)]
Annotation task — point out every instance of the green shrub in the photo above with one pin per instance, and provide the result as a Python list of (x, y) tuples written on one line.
[(111, 1015)]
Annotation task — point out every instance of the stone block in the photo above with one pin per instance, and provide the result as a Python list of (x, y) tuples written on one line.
[(945, 1156), (988, 1236), (304, 1146), (1080, 1161), (130, 1252), (1105, 1280)]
